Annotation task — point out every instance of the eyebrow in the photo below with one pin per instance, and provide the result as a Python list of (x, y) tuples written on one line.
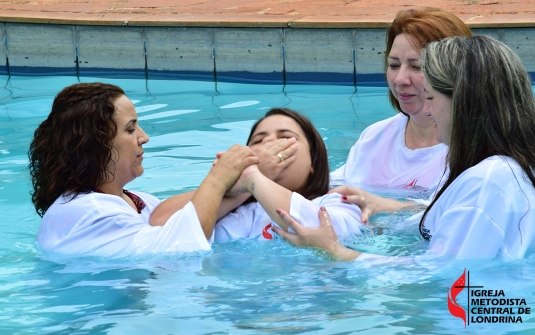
[(133, 121), (280, 131), (410, 59)]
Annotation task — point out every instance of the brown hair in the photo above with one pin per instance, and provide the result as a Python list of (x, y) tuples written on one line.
[(318, 182), (71, 149), (493, 107), (424, 25)]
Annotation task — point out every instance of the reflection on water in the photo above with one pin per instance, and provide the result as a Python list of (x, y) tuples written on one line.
[(243, 287)]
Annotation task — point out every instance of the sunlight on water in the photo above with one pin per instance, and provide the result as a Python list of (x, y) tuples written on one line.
[(241, 287)]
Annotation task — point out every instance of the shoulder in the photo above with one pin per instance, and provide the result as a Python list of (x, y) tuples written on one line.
[(495, 170), (384, 131), (398, 121), (494, 179)]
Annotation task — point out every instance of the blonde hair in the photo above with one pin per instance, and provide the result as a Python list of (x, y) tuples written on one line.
[(493, 107)]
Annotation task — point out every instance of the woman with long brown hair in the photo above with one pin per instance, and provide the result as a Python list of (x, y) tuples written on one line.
[(300, 188), (480, 97)]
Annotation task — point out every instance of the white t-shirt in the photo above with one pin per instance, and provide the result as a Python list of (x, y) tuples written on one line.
[(488, 210), (380, 159), (251, 221), (98, 224)]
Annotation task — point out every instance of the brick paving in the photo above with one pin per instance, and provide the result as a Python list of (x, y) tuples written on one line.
[(261, 13)]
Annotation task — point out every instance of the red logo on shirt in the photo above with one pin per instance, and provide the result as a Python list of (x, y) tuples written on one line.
[(411, 184), (267, 235)]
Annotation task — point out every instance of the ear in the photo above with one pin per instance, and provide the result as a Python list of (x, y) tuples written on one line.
[(311, 170)]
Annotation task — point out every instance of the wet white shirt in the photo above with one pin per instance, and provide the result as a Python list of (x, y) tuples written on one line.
[(380, 159), (488, 210), (250, 221), (98, 224)]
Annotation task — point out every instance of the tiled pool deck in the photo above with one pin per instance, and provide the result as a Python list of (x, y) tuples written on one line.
[(260, 13), (339, 41)]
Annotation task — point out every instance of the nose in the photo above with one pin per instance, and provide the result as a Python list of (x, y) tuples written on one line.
[(143, 137), (269, 138), (402, 76)]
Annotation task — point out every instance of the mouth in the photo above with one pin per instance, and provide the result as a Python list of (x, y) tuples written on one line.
[(405, 96), (141, 154)]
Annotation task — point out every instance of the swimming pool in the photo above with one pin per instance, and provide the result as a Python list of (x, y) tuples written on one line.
[(241, 287)]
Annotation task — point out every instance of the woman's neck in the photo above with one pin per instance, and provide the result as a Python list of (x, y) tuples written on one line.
[(112, 188), (418, 137)]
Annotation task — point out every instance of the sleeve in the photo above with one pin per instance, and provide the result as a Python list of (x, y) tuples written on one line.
[(181, 233), (466, 232), (110, 230), (345, 218)]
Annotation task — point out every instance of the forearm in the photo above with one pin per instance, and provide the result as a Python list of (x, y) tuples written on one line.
[(168, 207), (343, 254), (229, 203), (207, 202), (390, 205), (271, 197)]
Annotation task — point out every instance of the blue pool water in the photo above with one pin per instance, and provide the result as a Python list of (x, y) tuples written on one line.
[(241, 287)]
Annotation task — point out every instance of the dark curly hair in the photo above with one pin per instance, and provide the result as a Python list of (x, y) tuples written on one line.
[(318, 182), (71, 149)]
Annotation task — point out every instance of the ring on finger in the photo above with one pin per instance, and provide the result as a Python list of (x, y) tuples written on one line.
[(280, 156)]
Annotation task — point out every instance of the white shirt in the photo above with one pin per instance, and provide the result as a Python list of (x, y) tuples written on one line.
[(251, 221), (380, 159), (98, 224), (488, 210)]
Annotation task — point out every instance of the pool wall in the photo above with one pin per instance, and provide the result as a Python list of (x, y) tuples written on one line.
[(274, 55)]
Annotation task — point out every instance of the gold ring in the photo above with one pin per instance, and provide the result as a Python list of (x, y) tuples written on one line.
[(280, 156)]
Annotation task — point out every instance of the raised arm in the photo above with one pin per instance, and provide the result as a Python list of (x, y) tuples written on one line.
[(270, 165), (269, 194), (208, 198)]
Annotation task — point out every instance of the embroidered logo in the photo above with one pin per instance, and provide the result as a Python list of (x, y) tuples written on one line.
[(266, 232), (412, 186)]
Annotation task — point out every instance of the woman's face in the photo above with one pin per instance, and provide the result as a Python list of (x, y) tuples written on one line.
[(404, 75), (438, 106), (273, 127), (127, 155)]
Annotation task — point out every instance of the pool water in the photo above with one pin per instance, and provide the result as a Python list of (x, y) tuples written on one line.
[(241, 287)]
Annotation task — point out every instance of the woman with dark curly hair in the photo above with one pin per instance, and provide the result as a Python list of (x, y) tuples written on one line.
[(81, 158)]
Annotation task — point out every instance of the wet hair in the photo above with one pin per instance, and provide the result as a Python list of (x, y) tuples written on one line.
[(318, 182), (493, 107), (71, 149), (424, 25)]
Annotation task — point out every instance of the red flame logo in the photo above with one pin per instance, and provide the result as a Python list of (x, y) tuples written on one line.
[(453, 306), (267, 235)]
